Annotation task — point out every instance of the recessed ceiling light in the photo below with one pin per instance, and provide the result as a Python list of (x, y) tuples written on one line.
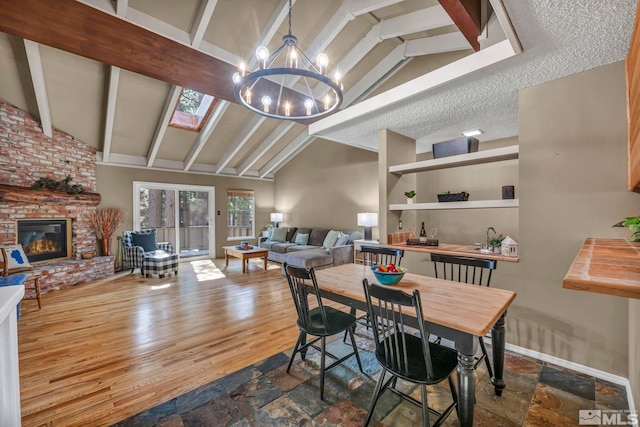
[(472, 132)]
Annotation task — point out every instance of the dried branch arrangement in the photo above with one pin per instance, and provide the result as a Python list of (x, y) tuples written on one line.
[(105, 221)]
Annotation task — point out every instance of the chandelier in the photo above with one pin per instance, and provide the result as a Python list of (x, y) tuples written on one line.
[(287, 84)]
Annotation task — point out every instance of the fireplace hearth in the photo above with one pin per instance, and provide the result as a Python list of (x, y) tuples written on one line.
[(45, 239)]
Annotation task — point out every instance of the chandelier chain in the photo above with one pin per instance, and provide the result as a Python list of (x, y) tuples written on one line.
[(290, 5)]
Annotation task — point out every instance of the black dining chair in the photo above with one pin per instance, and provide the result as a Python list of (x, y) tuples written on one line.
[(374, 255), (474, 271), (320, 322), (406, 354)]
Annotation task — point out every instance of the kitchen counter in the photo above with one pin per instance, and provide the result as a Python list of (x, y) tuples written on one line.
[(606, 266), (456, 250)]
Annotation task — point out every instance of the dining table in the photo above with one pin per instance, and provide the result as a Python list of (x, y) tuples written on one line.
[(457, 311)]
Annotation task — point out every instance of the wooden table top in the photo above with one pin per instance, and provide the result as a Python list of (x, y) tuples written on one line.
[(464, 307), (454, 249), (606, 266), (254, 249)]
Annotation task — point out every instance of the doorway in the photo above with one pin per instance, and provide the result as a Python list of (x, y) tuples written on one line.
[(181, 214)]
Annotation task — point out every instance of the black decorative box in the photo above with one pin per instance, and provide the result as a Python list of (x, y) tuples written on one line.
[(454, 147), (454, 197), (417, 242)]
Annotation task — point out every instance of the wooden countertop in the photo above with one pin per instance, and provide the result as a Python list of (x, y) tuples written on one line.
[(454, 249), (606, 266)]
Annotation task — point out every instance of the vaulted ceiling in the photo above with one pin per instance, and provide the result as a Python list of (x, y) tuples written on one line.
[(110, 72)]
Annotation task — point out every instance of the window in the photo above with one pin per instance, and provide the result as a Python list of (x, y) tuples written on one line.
[(240, 214), (192, 110)]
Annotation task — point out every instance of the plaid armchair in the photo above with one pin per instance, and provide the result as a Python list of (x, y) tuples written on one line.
[(133, 256)]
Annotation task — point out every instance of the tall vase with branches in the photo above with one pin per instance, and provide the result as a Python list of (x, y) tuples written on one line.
[(104, 222)]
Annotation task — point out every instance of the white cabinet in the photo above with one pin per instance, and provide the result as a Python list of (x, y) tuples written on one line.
[(357, 245), (487, 156)]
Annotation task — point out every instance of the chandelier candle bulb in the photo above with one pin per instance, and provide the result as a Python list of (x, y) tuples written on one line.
[(266, 102), (262, 53), (322, 60)]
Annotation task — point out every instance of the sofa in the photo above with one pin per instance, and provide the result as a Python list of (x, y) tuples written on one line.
[(309, 247)]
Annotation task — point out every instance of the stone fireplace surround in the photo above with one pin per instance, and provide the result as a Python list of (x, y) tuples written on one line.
[(26, 155)]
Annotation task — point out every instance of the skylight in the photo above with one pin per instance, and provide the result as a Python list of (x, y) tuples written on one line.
[(192, 110)]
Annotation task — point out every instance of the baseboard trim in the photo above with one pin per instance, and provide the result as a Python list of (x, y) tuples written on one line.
[(616, 379)]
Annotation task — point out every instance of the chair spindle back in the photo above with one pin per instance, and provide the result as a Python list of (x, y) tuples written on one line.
[(393, 340), (374, 255), (297, 278), (475, 271)]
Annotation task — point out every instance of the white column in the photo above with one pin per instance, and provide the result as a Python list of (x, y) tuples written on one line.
[(10, 296)]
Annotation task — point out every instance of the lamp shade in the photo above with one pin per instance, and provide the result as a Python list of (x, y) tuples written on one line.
[(277, 217), (367, 219)]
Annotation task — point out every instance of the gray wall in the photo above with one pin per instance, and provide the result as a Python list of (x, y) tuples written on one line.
[(573, 172), (326, 185), (115, 185)]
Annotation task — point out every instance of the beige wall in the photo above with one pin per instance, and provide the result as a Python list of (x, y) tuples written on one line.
[(326, 185), (572, 186), (465, 226), (115, 185), (395, 149)]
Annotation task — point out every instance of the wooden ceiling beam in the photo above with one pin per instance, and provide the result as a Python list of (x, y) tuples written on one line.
[(467, 15), (80, 29)]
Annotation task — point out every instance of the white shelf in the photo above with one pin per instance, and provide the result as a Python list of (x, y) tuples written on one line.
[(475, 204), (487, 156)]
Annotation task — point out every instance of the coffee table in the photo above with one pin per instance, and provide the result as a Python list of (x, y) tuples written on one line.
[(245, 255)]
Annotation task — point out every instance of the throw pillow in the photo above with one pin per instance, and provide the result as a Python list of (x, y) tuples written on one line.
[(343, 239), (16, 257), (279, 234), (302, 239), (146, 240), (269, 233), (331, 239)]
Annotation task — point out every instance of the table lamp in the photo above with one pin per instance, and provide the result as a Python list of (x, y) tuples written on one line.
[(276, 217), (367, 220)]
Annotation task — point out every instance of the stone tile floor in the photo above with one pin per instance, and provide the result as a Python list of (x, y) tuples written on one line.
[(537, 394)]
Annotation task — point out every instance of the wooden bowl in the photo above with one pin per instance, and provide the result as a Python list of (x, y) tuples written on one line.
[(88, 255)]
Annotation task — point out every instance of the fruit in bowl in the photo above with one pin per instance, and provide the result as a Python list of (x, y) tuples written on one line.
[(388, 274)]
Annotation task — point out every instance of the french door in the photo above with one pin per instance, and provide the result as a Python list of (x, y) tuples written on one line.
[(181, 214)]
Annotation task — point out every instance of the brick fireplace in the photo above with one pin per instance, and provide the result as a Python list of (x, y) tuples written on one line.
[(26, 155)]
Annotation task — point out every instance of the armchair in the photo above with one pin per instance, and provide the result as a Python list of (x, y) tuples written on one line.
[(22, 267), (142, 251)]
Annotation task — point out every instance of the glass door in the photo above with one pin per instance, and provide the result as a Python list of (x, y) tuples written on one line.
[(194, 223), (180, 214)]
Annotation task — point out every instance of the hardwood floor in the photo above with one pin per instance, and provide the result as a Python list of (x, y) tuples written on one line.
[(100, 352)]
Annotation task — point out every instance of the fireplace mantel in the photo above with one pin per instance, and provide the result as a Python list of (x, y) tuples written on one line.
[(14, 193)]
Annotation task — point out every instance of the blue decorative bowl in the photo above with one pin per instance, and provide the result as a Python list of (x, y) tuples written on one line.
[(386, 278)]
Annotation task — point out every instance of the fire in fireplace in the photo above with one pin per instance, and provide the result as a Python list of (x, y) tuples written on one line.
[(45, 239)]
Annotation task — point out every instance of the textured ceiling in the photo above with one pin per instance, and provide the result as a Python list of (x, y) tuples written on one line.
[(558, 38)]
